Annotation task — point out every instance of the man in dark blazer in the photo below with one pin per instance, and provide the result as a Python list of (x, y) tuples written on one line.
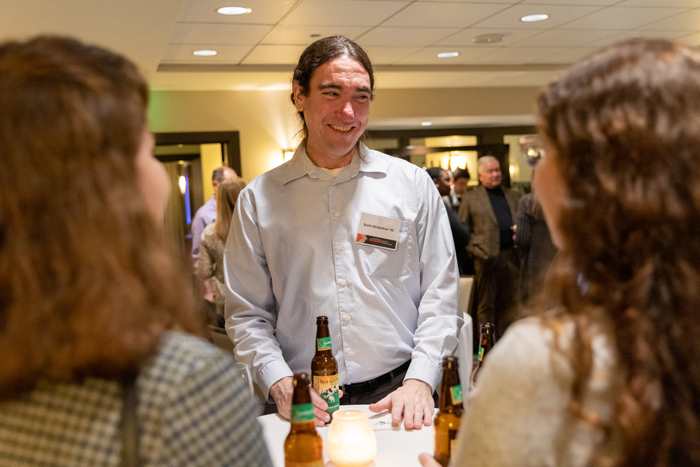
[(460, 233), (489, 211)]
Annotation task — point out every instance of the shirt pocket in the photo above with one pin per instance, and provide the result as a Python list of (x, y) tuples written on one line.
[(383, 262)]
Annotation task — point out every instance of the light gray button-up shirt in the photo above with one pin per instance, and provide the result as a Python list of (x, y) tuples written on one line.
[(292, 255)]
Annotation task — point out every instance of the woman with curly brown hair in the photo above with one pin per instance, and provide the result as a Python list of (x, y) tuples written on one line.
[(610, 375), (90, 295)]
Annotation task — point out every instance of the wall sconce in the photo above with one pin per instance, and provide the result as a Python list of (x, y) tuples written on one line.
[(351, 440), (287, 154), (183, 184)]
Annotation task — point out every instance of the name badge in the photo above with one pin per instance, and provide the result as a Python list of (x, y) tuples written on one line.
[(379, 231)]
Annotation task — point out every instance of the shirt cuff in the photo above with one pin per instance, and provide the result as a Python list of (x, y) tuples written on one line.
[(424, 370), (272, 372)]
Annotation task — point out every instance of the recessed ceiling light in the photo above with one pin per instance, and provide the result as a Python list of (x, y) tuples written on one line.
[(426, 123), (448, 54), (233, 10), (204, 53), (487, 38), (533, 18)]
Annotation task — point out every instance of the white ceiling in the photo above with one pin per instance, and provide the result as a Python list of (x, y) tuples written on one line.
[(258, 50)]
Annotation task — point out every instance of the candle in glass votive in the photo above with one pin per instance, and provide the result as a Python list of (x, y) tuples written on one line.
[(351, 441)]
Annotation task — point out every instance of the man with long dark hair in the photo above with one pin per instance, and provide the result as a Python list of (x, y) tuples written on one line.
[(347, 232)]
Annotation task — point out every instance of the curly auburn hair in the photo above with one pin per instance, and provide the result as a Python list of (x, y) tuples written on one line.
[(625, 126), (87, 283)]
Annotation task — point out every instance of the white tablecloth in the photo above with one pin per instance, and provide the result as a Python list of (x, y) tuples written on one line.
[(396, 446)]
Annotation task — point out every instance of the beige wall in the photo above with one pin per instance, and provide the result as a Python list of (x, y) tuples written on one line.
[(210, 156), (267, 123), (265, 120), (403, 103)]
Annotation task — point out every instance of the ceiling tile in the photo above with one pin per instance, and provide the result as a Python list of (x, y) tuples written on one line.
[(263, 11), (388, 55), (301, 35), (342, 13), (692, 40), (688, 21), (182, 53), (492, 2), (410, 37), (428, 56), (558, 15), (624, 35), (504, 2), (208, 33), (565, 38), (664, 3), (274, 55), (572, 2), (445, 15), (464, 38), (622, 18), (522, 56), (568, 55)]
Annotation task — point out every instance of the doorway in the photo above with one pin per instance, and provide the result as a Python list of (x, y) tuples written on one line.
[(189, 158)]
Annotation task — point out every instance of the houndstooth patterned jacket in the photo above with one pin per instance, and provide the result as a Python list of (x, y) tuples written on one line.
[(193, 410)]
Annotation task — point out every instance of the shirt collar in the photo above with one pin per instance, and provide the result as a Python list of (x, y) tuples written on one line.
[(364, 160)]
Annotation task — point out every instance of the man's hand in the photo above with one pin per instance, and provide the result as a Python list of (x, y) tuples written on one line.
[(282, 392), (426, 460), (413, 402)]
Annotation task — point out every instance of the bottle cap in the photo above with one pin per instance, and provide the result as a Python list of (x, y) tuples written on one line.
[(300, 379), (450, 361)]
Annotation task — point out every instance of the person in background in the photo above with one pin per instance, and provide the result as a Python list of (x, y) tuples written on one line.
[(489, 212), (460, 233), (91, 294), (535, 247), (348, 232), (607, 372), (206, 214), (211, 258), (460, 183)]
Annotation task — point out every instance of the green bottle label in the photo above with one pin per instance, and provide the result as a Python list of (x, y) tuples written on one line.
[(327, 388), (302, 413), (481, 353), (323, 343), (456, 393)]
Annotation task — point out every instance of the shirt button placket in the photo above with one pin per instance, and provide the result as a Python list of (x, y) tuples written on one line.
[(336, 239)]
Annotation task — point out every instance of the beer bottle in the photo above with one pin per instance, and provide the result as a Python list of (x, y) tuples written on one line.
[(324, 368), (450, 415), (486, 341), (303, 446)]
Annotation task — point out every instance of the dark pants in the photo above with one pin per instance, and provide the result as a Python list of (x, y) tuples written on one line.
[(497, 286), (369, 397)]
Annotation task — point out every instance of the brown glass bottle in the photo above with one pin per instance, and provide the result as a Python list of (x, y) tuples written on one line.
[(487, 340), (449, 417), (303, 446), (324, 368)]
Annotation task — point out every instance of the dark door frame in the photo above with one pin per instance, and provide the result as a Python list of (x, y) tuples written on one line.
[(230, 138)]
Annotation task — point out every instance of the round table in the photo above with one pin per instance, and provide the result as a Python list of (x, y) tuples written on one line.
[(396, 446)]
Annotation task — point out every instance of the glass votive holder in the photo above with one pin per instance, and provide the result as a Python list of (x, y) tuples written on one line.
[(351, 441)]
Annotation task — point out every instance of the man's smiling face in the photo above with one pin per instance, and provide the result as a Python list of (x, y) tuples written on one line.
[(336, 110)]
